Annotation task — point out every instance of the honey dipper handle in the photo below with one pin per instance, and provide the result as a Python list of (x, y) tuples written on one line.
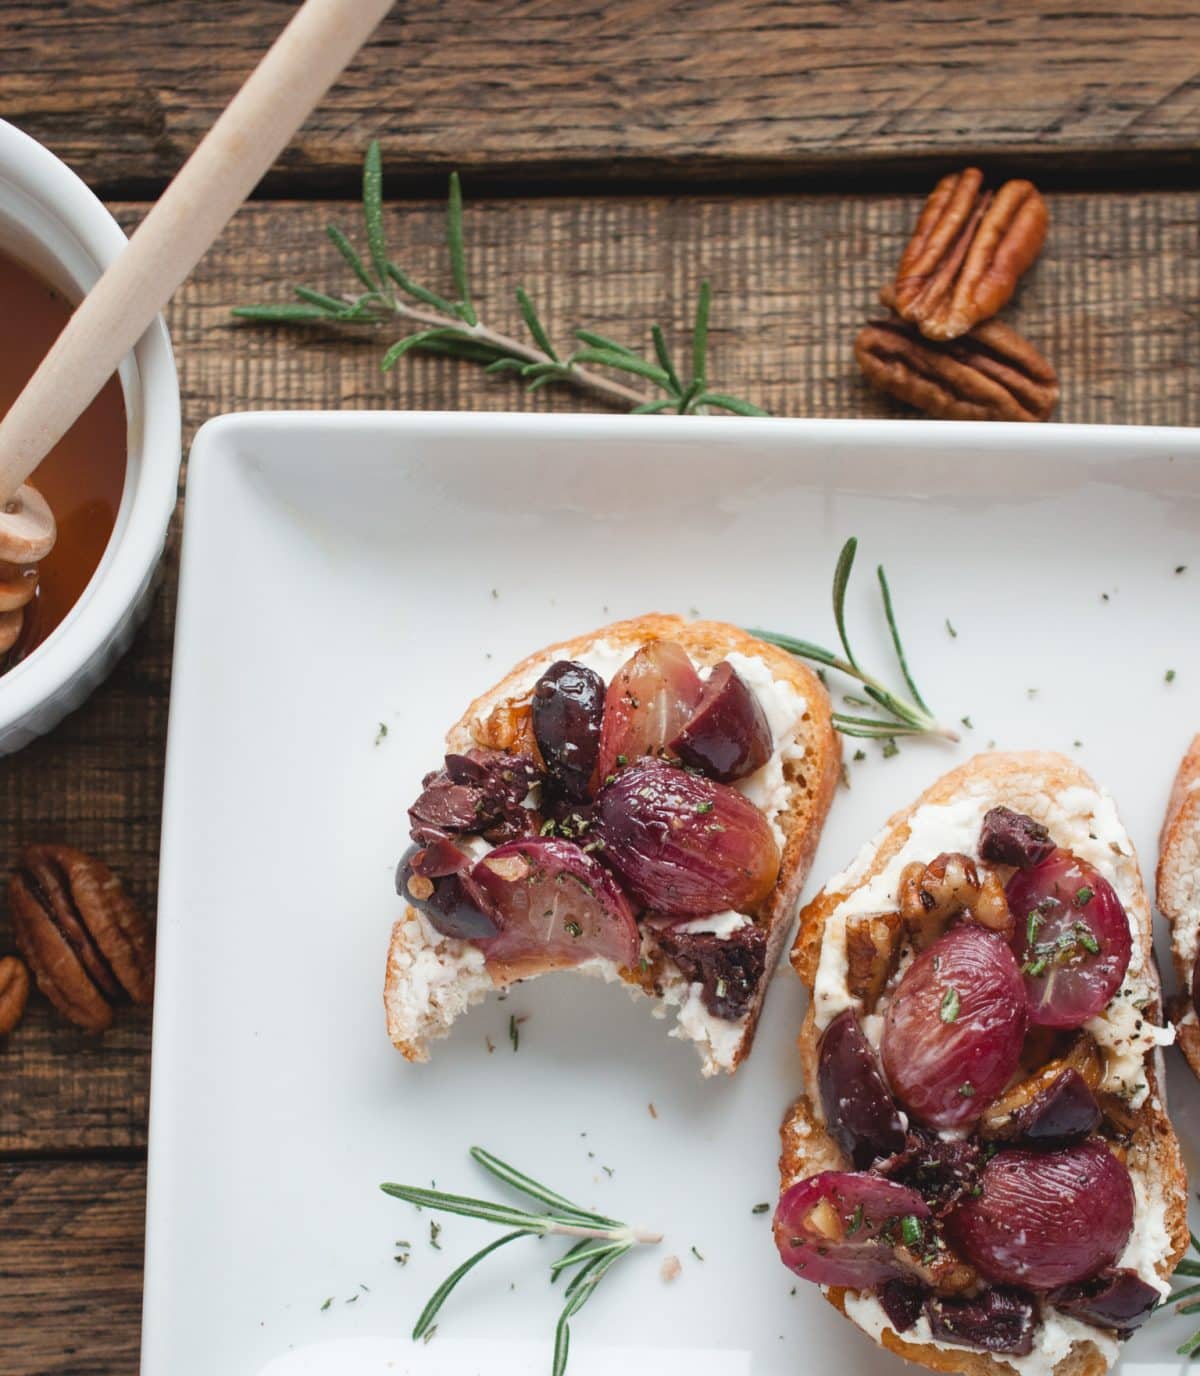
[(302, 64)]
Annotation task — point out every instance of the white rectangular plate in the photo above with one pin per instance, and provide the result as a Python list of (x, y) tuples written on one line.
[(342, 573)]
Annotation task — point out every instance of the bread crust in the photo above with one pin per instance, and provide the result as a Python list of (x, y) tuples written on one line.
[(499, 718), (806, 1146), (1178, 889)]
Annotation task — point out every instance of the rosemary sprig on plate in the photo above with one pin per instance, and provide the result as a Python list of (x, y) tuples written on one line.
[(1187, 1300), (904, 717), (453, 327), (600, 1242)]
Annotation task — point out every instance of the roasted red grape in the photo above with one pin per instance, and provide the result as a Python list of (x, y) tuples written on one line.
[(649, 700), (567, 711), (953, 1030), (1060, 1112), (860, 1114), (1072, 939), (557, 907), (684, 845), (996, 1320), (842, 1228), (727, 736), (1118, 1299), (1045, 1219)]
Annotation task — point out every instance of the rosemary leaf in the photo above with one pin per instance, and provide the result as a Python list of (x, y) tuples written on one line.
[(350, 254), (728, 403), (601, 341), (652, 408), (556, 1275), (505, 365), (418, 292), (442, 1293), (534, 325), (629, 363), (700, 337), (534, 1188), (841, 579), (413, 341), (333, 306), (472, 1208), (373, 212), (664, 358), (286, 313), (458, 253), (896, 641)]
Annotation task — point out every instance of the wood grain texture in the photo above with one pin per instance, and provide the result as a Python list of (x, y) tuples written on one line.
[(1112, 302), (681, 89), (71, 1268)]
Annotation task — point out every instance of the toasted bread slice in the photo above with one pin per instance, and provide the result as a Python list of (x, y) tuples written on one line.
[(431, 979), (1178, 884), (947, 817)]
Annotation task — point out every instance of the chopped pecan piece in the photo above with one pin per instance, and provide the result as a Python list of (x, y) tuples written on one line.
[(872, 954), (86, 943), (730, 968), (14, 992), (990, 374), (967, 253)]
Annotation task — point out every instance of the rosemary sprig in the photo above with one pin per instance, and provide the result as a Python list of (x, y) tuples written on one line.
[(600, 1241), (453, 327), (1187, 1300), (903, 717)]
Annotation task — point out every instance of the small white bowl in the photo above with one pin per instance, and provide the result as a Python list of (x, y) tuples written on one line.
[(52, 223)]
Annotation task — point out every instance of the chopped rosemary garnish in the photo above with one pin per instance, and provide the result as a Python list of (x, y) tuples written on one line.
[(905, 717), (948, 1012), (599, 1243), (443, 326), (911, 1230)]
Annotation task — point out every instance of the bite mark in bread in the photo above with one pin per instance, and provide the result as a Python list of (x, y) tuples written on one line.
[(431, 980), (946, 817)]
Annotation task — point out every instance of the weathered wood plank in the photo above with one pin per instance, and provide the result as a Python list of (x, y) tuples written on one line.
[(689, 89), (1112, 302)]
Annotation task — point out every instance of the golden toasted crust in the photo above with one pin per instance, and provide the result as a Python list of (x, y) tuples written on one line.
[(499, 718), (1178, 886), (807, 1148)]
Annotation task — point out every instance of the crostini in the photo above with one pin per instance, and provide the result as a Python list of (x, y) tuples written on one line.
[(642, 804), (982, 1175), (1178, 884)]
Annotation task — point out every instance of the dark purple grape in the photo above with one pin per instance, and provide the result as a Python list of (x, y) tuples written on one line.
[(839, 1228), (1062, 1112), (997, 1320), (567, 712), (953, 1031), (902, 1302), (684, 845), (1116, 1298), (1012, 838), (860, 1113), (727, 736), (1046, 1219), (942, 1171), (729, 968), (440, 887), (557, 907)]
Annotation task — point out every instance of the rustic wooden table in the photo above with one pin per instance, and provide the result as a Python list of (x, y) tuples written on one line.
[(613, 155)]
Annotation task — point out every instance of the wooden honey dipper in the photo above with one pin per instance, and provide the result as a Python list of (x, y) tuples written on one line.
[(304, 61)]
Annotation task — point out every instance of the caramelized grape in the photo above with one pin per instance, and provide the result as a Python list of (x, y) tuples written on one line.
[(952, 1034), (1055, 1113), (1116, 1298), (997, 1320), (684, 845), (1046, 1219), (649, 700), (860, 1113), (557, 907), (842, 1228), (567, 711), (1072, 939), (727, 736)]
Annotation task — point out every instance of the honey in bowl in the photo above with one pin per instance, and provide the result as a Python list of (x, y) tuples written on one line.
[(84, 474)]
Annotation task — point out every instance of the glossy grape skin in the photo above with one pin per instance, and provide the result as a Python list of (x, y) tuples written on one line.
[(842, 1228), (1112, 1298), (435, 880), (567, 712), (649, 700), (860, 1113), (953, 1031), (1047, 1219), (556, 905), (683, 845), (727, 736), (1081, 939)]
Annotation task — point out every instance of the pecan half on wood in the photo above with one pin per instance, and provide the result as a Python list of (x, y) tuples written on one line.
[(86, 943), (967, 253), (990, 374), (14, 993)]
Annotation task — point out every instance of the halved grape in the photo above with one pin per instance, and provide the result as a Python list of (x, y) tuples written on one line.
[(1115, 1298), (567, 711), (1072, 939), (1045, 1219), (649, 700), (953, 1030), (842, 1228), (860, 1113), (557, 907), (684, 845), (727, 736)]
